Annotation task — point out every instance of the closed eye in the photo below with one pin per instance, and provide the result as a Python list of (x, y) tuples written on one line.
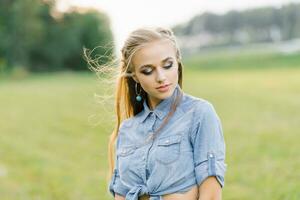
[(149, 70), (169, 66)]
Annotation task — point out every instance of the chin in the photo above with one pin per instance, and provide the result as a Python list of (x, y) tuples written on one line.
[(166, 95)]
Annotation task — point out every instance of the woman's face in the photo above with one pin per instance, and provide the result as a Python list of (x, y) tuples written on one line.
[(155, 65)]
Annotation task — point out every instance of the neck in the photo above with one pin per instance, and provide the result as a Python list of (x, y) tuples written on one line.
[(152, 103)]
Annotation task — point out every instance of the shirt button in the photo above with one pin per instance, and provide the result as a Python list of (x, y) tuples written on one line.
[(167, 141), (211, 155)]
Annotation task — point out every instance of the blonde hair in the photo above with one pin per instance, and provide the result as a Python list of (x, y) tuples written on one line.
[(125, 104)]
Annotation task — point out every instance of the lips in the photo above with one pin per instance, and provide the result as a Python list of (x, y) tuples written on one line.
[(163, 86)]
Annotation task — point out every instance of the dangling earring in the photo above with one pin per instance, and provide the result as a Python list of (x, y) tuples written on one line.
[(138, 95)]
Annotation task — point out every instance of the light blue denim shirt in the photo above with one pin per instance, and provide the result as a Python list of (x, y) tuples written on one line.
[(186, 151)]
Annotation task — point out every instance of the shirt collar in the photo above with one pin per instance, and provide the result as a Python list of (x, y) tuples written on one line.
[(162, 109)]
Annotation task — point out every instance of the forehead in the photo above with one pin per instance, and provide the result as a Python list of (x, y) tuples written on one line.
[(153, 53)]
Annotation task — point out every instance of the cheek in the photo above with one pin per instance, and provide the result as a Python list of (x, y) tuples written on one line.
[(146, 82), (173, 73)]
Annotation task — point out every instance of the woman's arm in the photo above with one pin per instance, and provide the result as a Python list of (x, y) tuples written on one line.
[(210, 189), (118, 197), (116, 187), (209, 153)]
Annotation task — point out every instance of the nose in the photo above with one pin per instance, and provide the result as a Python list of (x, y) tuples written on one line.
[(161, 77)]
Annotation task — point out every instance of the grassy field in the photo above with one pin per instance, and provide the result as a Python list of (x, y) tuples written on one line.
[(53, 134)]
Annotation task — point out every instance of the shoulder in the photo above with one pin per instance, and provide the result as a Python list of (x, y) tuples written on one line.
[(206, 123), (199, 106), (127, 123), (203, 113), (126, 128)]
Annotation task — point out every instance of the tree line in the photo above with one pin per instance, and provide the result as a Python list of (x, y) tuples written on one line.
[(266, 24)]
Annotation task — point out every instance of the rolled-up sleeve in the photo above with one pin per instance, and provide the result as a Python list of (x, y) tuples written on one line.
[(116, 185), (208, 145)]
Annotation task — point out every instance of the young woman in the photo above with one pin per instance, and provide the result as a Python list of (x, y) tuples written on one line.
[(167, 144)]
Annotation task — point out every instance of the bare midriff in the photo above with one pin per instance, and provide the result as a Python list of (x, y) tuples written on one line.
[(192, 194)]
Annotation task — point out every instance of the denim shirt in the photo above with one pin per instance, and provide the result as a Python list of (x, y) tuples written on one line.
[(187, 150)]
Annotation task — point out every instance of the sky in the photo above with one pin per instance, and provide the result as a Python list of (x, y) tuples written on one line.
[(128, 15)]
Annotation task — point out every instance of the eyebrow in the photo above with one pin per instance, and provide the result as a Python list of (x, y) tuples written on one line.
[(163, 61)]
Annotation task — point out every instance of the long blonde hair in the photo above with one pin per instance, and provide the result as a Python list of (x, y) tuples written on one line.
[(125, 104)]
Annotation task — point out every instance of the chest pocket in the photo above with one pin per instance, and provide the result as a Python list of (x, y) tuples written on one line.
[(125, 155), (168, 149)]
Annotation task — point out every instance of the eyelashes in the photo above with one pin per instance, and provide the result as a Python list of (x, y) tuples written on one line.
[(168, 66), (147, 72)]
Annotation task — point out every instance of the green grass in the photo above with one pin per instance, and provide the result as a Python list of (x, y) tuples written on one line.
[(242, 59), (50, 148), (260, 115)]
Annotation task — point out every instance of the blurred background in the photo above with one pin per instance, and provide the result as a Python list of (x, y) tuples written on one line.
[(56, 115)]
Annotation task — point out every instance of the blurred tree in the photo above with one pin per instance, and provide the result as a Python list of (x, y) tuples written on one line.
[(88, 30), (36, 36), (254, 25), (291, 21), (20, 28)]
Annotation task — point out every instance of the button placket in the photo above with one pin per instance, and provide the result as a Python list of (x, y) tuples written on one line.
[(149, 142)]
